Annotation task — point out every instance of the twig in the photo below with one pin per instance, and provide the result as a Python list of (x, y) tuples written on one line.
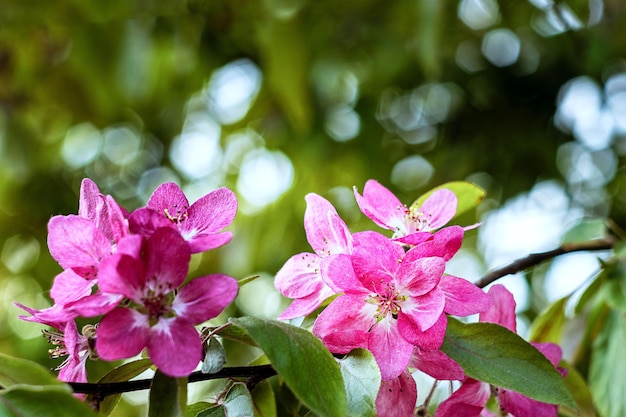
[(536, 258), (102, 390)]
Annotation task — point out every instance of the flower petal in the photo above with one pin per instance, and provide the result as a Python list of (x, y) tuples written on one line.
[(439, 208), (338, 272), (445, 243), (69, 286), (467, 401), (419, 275), (299, 276), (208, 216), (502, 311), (376, 260), (430, 339), (304, 306), (462, 297), (391, 351), (167, 257), (144, 221), (122, 333), (436, 364), (168, 196), (522, 406), (381, 206), (206, 297), (397, 397), (344, 324), (123, 274), (326, 232), (424, 310), (174, 346)]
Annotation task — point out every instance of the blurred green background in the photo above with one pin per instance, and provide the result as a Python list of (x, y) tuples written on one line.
[(279, 98)]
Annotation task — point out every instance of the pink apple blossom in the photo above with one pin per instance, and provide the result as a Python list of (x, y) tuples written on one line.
[(160, 316), (301, 276), (200, 223), (410, 225), (470, 399)]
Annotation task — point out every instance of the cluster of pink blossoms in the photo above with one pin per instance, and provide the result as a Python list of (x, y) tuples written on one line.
[(391, 294), (130, 269)]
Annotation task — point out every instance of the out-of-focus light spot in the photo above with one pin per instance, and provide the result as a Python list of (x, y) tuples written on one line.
[(595, 133), (20, 253), (596, 12), (412, 172), (151, 179), (260, 298), (238, 144), (501, 47), (468, 56), (569, 274), (342, 123), (232, 89), (264, 176), (579, 165), (479, 14), (24, 290), (529, 59), (283, 9), (542, 4), (615, 90), (82, 144), (335, 84), (196, 152), (419, 135), (555, 19), (121, 145)]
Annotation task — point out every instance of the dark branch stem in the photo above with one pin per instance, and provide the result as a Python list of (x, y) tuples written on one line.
[(536, 258), (102, 390)]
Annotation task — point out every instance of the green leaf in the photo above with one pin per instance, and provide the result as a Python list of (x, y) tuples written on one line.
[(41, 401), (493, 354), (121, 374), (14, 371), (586, 230), (193, 410), (548, 326), (168, 396), (214, 358), (238, 402), (303, 361), (237, 334), (264, 400), (607, 371), (362, 379), (217, 411), (581, 394), (469, 195)]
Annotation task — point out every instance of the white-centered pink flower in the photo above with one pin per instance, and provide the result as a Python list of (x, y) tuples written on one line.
[(411, 225)]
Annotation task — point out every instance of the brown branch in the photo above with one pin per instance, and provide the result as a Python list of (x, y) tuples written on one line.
[(536, 258), (102, 390)]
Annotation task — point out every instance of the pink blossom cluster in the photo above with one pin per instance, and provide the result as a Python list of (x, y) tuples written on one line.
[(130, 270), (388, 294)]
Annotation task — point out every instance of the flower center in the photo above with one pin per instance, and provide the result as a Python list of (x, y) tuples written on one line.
[(157, 304), (388, 301), (179, 215)]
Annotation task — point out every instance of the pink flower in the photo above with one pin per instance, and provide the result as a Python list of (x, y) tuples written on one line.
[(301, 277), (390, 303), (200, 223), (396, 397), (410, 225), (470, 399), (159, 316)]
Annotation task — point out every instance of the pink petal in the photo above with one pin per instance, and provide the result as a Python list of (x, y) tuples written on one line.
[(69, 286), (424, 310), (174, 346), (299, 276), (522, 406), (391, 351), (467, 401), (413, 239), (145, 221), (338, 272), (205, 242), (439, 208), (55, 316), (73, 369), (345, 323), (122, 333), (397, 397), (206, 297), (419, 275), (551, 351), (168, 196), (502, 311), (462, 297), (123, 274), (376, 260), (381, 206), (167, 257), (436, 364), (209, 215), (304, 306), (326, 232), (430, 339), (88, 199), (94, 305), (76, 243), (445, 243)]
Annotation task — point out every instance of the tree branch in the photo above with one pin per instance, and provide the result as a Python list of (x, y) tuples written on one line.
[(536, 258), (102, 390)]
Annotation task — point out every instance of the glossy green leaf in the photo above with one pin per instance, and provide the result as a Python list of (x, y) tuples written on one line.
[(237, 334), (362, 379), (264, 400), (15, 371), (493, 354), (41, 401), (469, 195), (586, 230), (548, 326), (168, 396), (303, 361), (217, 411), (607, 370), (193, 410), (121, 374), (238, 402), (214, 358)]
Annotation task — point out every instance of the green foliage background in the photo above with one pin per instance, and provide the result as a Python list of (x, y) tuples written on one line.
[(143, 65)]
